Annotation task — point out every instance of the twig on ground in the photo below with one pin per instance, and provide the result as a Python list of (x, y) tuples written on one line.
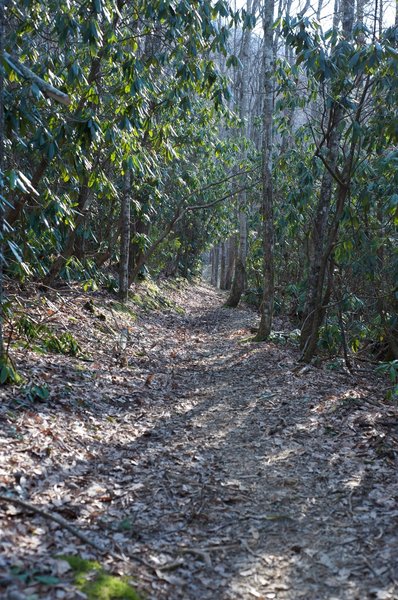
[(56, 518)]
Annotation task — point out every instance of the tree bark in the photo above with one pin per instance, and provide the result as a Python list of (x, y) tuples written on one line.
[(223, 265), (214, 266), (239, 279), (317, 268), (267, 303), (324, 234), (44, 86), (2, 157), (125, 239), (231, 256)]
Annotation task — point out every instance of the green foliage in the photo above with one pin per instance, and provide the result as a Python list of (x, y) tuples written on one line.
[(253, 296), (64, 343), (125, 525), (331, 70), (29, 576), (148, 296), (79, 564), (29, 328), (36, 393), (97, 583), (145, 95), (330, 336), (8, 373), (391, 370)]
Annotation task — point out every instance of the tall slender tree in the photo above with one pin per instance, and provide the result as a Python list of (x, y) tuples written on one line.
[(125, 229), (323, 237), (2, 152), (267, 209), (239, 279)]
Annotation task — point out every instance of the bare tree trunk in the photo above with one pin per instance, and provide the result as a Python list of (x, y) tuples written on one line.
[(239, 279), (211, 258), (214, 266), (317, 268), (231, 255), (381, 14), (2, 156), (125, 239), (323, 234), (223, 265), (267, 304), (238, 284), (336, 14)]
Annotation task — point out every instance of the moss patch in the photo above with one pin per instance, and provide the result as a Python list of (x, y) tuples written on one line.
[(97, 583), (153, 297), (148, 296), (124, 308)]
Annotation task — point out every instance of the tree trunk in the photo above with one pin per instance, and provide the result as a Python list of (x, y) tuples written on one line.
[(147, 254), (239, 279), (336, 14), (231, 255), (223, 265), (324, 235), (267, 303), (214, 266), (125, 240), (318, 261), (2, 157), (237, 284)]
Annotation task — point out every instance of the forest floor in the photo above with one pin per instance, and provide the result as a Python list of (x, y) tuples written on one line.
[(207, 466)]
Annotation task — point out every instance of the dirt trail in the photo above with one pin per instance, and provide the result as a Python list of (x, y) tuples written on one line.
[(282, 501), (237, 473)]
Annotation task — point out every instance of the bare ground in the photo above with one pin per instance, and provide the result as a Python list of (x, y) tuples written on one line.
[(213, 468)]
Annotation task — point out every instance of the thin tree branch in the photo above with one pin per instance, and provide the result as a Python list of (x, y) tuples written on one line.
[(215, 183), (210, 204), (44, 86)]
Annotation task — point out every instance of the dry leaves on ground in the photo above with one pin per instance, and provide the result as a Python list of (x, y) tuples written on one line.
[(205, 465)]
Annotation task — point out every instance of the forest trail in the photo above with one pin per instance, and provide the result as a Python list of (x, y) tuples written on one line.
[(219, 469)]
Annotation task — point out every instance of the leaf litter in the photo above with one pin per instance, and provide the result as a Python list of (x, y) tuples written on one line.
[(195, 462)]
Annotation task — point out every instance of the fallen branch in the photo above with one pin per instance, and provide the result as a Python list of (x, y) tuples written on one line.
[(56, 518)]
